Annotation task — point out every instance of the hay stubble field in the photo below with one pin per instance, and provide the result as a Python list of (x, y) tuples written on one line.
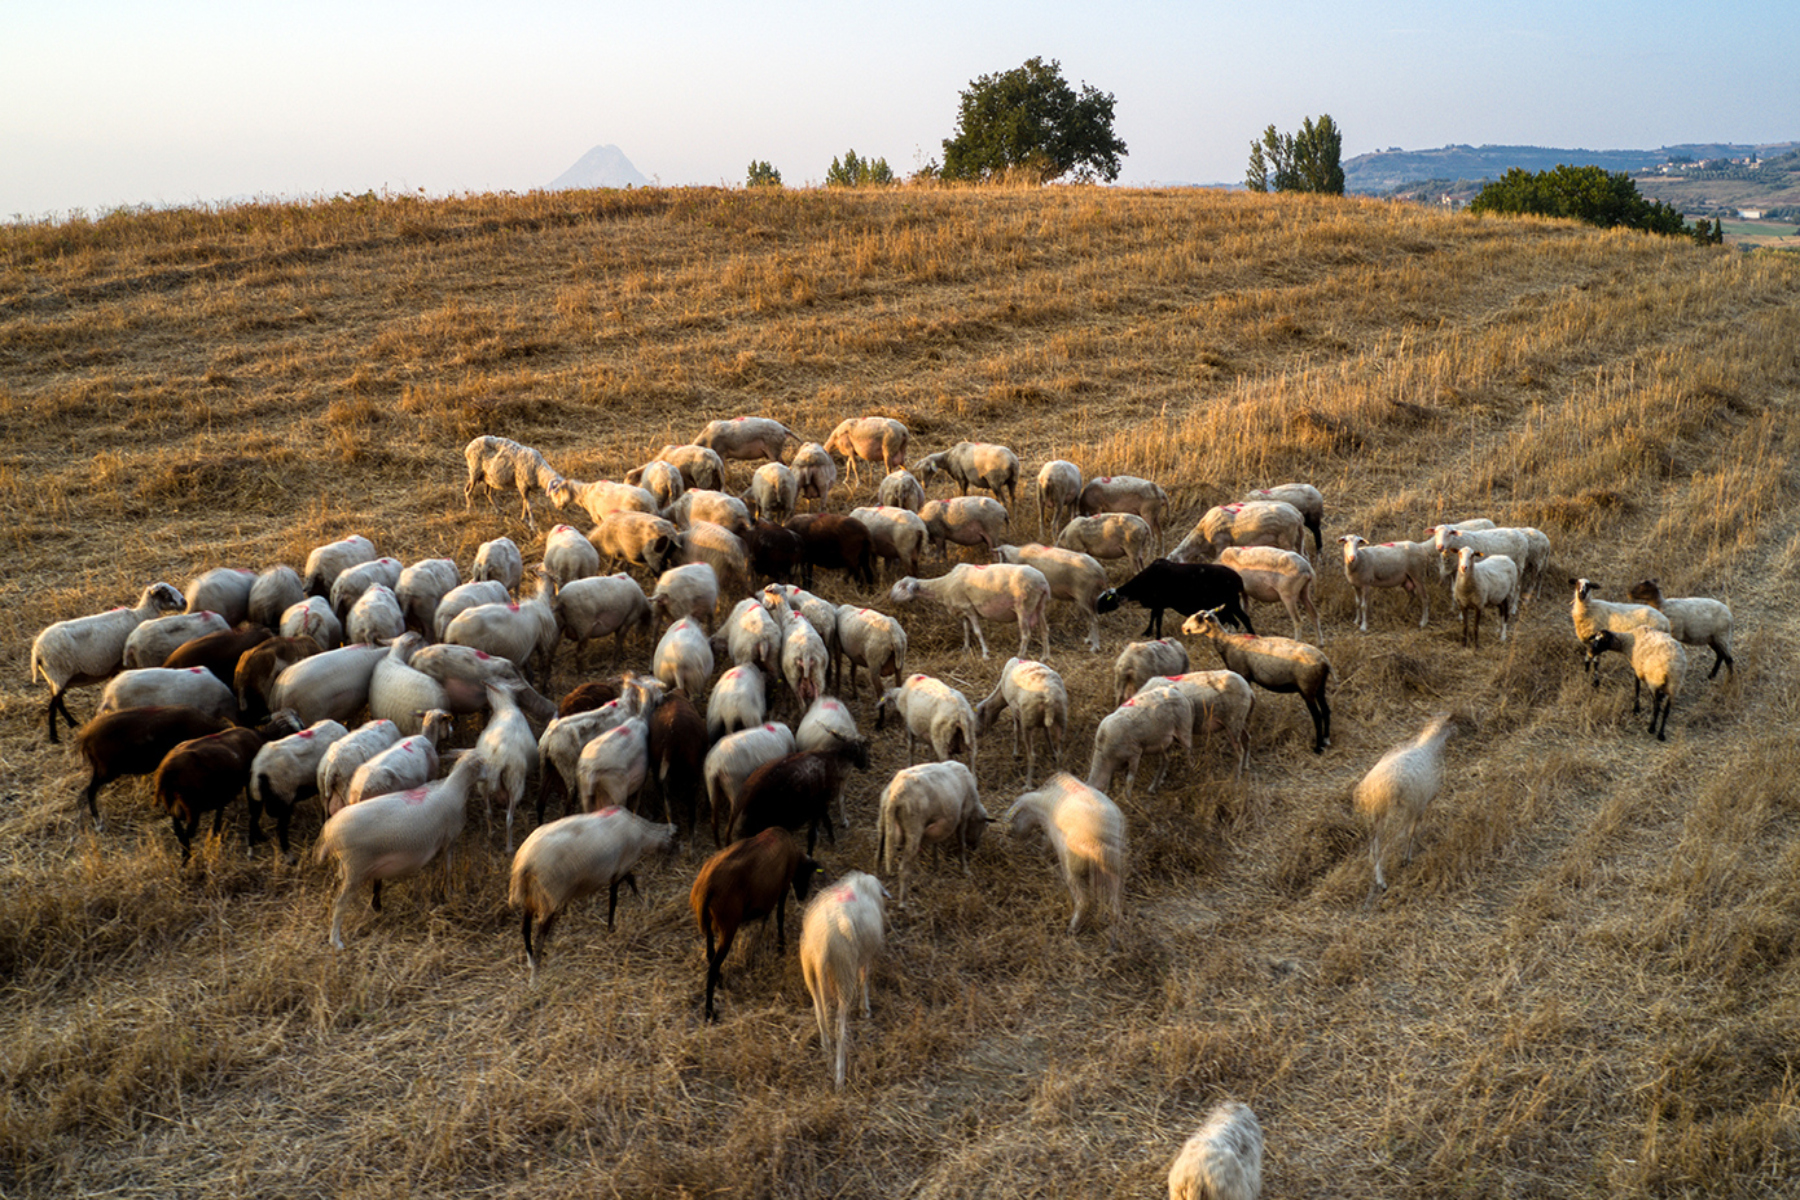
[(1585, 983)]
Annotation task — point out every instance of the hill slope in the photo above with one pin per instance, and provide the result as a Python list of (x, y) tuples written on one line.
[(1584, 983)]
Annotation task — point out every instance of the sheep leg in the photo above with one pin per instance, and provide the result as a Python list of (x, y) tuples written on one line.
[(1379, 883), (1321, 718), (530, 958), (375, 896), (337, 914), (1637, 688), (93, 798), (59, 703), (1720, 658), (715, 962)]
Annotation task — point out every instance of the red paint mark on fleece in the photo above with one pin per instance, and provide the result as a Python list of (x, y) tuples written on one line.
[(305, 733), (609, 810), (416, 796)]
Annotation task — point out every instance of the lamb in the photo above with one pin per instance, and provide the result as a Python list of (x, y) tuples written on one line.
[(746, 438), (1271, 575), (497, 464), (1059, 490), (1142, 661), (1038, 701), (285, 772), (1485, 581), (219, 652), (423, 586), (408, 763), (753, 635), (332, 684), (684, 658), (733, 759), (964, 521), (591, 608), (1073, 576), (575, 857), (699, 466), (514, 631), (871, 640), (194, 686), (868, 439), (691, 590), (569, 556), (1223, 1160), (840, 938), (376, 616), (354, 581), (1148, 722), (339, 764), (327, 562), (704, 542), (603, 498), (1185, 587), (224, 590), (974, 591), (1126, 494), (274, 591), (395, 835), (1247, 523), (1222, 702), (204, 775), (746, 881), (703, 504), (663, 481), (678, 743), (901, 489), (626, 536), (739, 700), (133, 741), (1303, 496), (1275, 664), (1694, 620), (896, 535), (313, 618), (1389, 565), (1656, 659), (499, 561), (1113, 535), (1592, 615), (934, 710), (975, 464), (774, 493), (1393, 795), (151, 643), (838, 542), (509, 754), (815, 472), (1086, 831), (799, 789), (933, 803)]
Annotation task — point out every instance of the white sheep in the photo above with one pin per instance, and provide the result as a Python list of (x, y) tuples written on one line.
[(1038, 702), (1275, 664), (286, 771), (1140, 661), (569, 556), (1073, 576), (325, 563), (1086, 831), (1403, 565), (739, 700), (463, 597), (1693, 620), (869, 439), (376, 616), (1126, 494), (409, 763), (274, 591), (1303, 496), (973, 591), (1059, 489), (1591, 615), (1223, 702), (975, 465), (1656, 659), (401, 693), (896, 535), (1485, 581), (395, 835), (1149, 722), (783, 600), (500, 561), (930, 804), (663, 481), (223, 590), (1245, 523), (603, 498), (1392, 797), (1108, 536), (815, 472), (901, 489), (422, 587), (612, 768), (312, 617), (805, 661), (465, 674), (87, 650), (354, 581), (731, 761), (840, 937), (559, 748), (704, 504), (1223, 1160), (746, 438), (595, 607), (332, 684), (691, 590), (195, 686), (515, 631), (704, 542), (871, 640), (684, 658), (698, 465), (1450, 538), (964, 521), (1273, 575), (774, 492), (753, 635), (509, 754), (501, 464), (151, 643), (574, 857), (340, 760), (931, 709)]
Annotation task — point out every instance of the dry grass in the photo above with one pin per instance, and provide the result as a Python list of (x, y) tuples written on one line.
[(1584, 983)]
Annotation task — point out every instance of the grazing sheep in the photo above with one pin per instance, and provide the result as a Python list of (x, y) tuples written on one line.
[(1247, 523), (1059, 490), (1303, 496), (354, 581), (219, 652), (704, 542), (1126, 494), (133, 741), (732, 760), (973, 591), (395, 835), (776, 552), (805, 661), (1141, 661), (1694, 620), (1223, 1160), (871, 640), (798, 790), (1656, 659), (500, 464), (376, 616), (205, 774), (1222, 702), (746, 438), (663, 481), (964, 521), (699, 466), (690, 590), (774, 493), (1086, 831), (1275, 664), (739, 700), (423, 586), (466, 672), (515, 631), (195, 686), (559, 749), (151, 643), (746, 881), (592, 608), (1273, 575), (975, 465), (331, 685), (869, 439), (341, 760), (930, 804), (1393, 795), (575, 857), (753, 635), (1485, 581), (684, 658), (627, 536), (1149, 722), (837, 542), (509, 754), (407, 763), (896, 535), (933, 710), (603, 498), (1109, 536), (1185, 587), (678, 743), (1072, 575), (224, 590), (1037, 699), (1389, 565), (901, 489), (255, 674), (783, 601), (500, 562), (840, 938), (613, 767), (285, 772), (327, 562), (569, 556), (704, 504), (275, 591), (313, 618)]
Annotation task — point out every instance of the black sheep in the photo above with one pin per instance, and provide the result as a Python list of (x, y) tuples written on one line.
[(1187, 588)]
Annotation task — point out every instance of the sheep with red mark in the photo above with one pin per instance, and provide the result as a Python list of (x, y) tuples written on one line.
[(591, 608), (663, 481), (798, 790), (836, 542), (195, 686), (1222, 702), (746, 881), (975, 465), (133, 741), (746, 439), (704, 504), (1184, 587), (463, 597), (205, 774), (569, 556), (85, 650), (1223, 1160), (253, 679), (516, 631), (220, 652), (286, 771), (423, 586), (930, 804), (375, 617), (612, 768), (407, 763), (401, 693), (151, 643), (1146, 723), (498, 561), (1514, 543), (690, 590), (753, 636), (805, 661), (1073, 576), (350, 586), (345, 755), (1275, 664), (604, 498), (964, 521), (827, 722), (325, 563), (559, 747), (1108, 536), (704, 542), (784, 600), (1126, 494), (1307, 499), (998, 591), (1059, 491), (466, 672), (896, 536), (901, 489), (870, 439), (509, 754), (732, 760), (684, 658), (699, 466), (313, 618), (1244, 523), (575, 857), (1272, 575), (498, 464), (1140, 661), (1034, 695), (933, 710), (396, 835), (840, 938), (1404, 565), (739, 700), (224, 590), (627, 537), (871, 640), (774, 493), (272, 593), (1086, 831)]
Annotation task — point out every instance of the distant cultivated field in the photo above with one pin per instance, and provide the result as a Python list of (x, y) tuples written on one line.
[(1585, 983)]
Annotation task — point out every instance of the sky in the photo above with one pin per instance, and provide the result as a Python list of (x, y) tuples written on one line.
[(107, 103)]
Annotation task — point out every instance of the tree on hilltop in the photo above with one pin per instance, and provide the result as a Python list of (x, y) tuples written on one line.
[(763, 174), (1030, 118), (1310, 160), (851, 171), (1591, 194)]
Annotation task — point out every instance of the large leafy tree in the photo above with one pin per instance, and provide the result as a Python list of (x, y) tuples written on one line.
[(1029, 117), (1310, 160), (1591, 194)]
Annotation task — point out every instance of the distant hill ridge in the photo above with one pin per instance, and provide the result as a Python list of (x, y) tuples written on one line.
[(1385, 170), (601, 167)]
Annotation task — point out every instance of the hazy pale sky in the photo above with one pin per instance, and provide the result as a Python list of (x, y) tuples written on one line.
[(109, 102)]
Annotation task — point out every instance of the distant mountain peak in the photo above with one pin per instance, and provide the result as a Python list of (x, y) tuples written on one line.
[(601, 167)]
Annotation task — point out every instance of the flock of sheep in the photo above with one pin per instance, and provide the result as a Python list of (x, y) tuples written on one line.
[(250, 682)]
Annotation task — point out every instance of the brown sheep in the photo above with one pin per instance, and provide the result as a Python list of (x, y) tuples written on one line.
[(746, 881)]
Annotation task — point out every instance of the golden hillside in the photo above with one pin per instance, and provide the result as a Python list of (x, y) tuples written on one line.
[(1585, 982)]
